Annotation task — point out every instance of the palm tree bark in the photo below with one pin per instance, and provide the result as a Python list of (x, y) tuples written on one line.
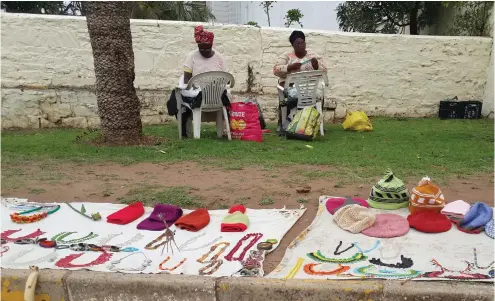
[(118, 105)]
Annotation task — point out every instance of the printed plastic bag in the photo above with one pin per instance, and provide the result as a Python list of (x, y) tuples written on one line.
[(357, 121), (244, 122), (304, 125)]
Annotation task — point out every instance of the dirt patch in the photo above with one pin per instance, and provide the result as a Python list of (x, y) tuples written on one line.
[(210, 186)]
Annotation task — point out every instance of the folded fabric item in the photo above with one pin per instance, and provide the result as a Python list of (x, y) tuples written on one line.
[(354, 218), (334, 204), (127, 214), (426, 197), (476, 218), (389, 193), (429, 222), (388, 225), (162, 213), (235, 208), (235, 222), (194, 221), (489, 229), (456, 209)]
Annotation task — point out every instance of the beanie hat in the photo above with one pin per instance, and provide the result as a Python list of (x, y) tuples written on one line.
[(426, 197), (387, 226), (354, 218), (127, 214), (389, 193), (162, 213), (489, 229), (236, 220), (194, 221), (429, 222), (456, 209), (334, 204), (476, 218)]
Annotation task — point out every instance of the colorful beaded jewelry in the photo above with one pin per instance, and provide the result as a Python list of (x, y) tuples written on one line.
[(213, 248), (309, 269), (48, 244), (146, 263), (129, 249), (4, 250), (134, 239), (404, 264), (336, 252), (254, 240), (377, 243), (213, 266), (372, 272), (66, 262), (11, 261), (20, 218), (321, 258), (264, 246), (150, 246), (476, 262), (94, 216), (59, 238), (5, 235), (172, 268)]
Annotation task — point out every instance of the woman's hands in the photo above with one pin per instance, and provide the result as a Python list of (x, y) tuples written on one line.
[(314, 63), (294, 67)]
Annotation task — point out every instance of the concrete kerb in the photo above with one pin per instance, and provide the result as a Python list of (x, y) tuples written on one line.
[(89, 285)]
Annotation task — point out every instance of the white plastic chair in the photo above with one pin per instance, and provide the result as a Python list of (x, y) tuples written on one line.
[(306, 84), (212, 85)]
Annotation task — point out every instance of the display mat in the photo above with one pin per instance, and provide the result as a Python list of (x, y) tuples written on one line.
[(272, 223), (440, 256)]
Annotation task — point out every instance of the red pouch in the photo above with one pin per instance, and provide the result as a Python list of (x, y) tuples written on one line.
[(244, 122)]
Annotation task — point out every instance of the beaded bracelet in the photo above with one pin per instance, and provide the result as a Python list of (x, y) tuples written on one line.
[(18, 217), (213, 266), (172, 268), (48, 244)]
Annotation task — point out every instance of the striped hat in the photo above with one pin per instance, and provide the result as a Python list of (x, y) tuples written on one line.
[(426, 197), (389, 193)]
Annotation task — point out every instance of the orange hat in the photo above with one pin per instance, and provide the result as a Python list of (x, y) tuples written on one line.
[(426, 197)]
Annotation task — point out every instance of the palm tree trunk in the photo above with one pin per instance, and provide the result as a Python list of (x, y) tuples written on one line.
[(118, 105)]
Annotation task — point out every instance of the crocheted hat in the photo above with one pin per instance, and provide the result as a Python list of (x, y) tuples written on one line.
[(429, 222), (333, 204), (127, 214), (426, 197), (489, 229), (354, 218), (389, 193), (194, 221), (456, 209), (161, 213), (387, 226), (476, 218), (236, 220)]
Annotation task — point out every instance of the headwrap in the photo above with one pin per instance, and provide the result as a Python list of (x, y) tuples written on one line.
[(202, 36), (295, 35)]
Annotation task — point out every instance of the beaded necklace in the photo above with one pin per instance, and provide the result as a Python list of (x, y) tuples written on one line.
[(336, 252), (321, 258), (11, 261), (150, 246), (372, 272), (4, 250), (309, 269), (172, 268), (476, 262), (134, 239), (66, 262), (20, 218), (213, 266), (404, 264), (377, 243), (60, 237), (191, 240), (213, 248), (255, 236), (5, 235), (112, 266)]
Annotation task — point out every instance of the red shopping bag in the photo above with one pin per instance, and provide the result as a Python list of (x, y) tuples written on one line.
[(245, 122)]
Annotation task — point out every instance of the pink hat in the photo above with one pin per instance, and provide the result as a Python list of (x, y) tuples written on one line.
[(333, 204), (388, 225)]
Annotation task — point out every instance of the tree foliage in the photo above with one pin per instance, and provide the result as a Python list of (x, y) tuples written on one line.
[(267, 5), (387, 16), (472, 19), (293, 16), (252, 23), (34, 7)]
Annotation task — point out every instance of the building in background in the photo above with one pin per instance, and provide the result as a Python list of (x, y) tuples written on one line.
[(317, 15)]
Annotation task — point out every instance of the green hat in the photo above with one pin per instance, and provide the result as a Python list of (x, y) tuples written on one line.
[(389, 193)]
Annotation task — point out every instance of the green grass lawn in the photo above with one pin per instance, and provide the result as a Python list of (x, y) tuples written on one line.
[(411, 147)]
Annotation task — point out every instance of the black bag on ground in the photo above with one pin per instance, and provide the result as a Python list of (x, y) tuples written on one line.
[(455, 109)]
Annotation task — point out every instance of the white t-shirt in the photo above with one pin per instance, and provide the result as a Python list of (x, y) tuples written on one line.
[(196, 63)]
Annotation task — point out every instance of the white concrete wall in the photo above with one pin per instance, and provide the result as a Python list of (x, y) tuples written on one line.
[(47, 68)]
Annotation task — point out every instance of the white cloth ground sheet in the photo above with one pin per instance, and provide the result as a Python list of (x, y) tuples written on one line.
[(439, 256), (272, 223)]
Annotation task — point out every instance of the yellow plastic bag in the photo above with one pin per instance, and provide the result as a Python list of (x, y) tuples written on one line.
[(357, 121)]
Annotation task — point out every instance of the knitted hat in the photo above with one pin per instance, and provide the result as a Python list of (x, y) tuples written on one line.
[(161, 213), (476, 218), (456, 209), (429, 222), (389, 193), (236, 220), (426, 197), (387, 226), (127, 214), (194, 221), (354, 218), (334, 204), (489, 229)]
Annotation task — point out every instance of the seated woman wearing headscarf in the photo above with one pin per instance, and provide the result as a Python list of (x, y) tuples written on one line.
[(203, 59), (301, 59)]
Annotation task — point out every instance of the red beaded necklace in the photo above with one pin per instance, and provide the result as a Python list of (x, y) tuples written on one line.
[(66, 262), (5, 235), (256, 237)]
